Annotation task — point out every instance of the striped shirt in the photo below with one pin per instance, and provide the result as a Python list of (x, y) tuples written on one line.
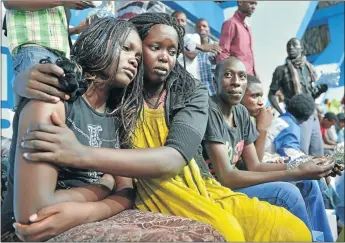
[(47, 28), (206, 63)]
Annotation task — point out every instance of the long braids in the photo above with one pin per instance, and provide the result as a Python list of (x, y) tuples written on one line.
[(95, 50), (183, 82)]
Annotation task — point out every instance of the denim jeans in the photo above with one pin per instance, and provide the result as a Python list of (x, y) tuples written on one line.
[(311, 138), (303, 200), (311, 193), (339, 187), (29, 56)]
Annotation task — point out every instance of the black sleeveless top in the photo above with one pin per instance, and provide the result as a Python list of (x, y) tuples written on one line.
[(90, 127)]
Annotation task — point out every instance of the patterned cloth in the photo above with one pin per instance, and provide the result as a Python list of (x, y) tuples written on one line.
[(206, 62), (136, 226), (47, 28), (140, 226), (296, 63)]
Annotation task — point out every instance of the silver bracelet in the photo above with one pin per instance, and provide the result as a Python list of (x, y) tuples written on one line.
[(298, 161)]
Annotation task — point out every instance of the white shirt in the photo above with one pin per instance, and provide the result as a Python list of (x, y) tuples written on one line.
[(190, 41)]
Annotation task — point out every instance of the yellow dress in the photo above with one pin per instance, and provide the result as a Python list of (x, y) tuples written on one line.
[(190, 195)]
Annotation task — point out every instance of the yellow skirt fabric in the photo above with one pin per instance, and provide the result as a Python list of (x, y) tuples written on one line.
[(234, 215)]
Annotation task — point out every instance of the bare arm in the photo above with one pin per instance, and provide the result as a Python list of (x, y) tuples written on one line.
[(252, 162), (122, 199), (328, 141), (37, 190), (260, 144), (31, 5), (274, 101), (78, 29), (162, 162), (235, 179), (56, 219), (263, 122), (277, 80)]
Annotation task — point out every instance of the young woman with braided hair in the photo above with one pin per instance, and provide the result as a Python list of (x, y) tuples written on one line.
[(106, 95), (171, 175)]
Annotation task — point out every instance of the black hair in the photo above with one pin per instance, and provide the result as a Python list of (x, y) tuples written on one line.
[(330, 116), (182, 82), (199, 20), (301, 106), (178, 12), (220, 65), (93, 52), (253, 79), (341, 117)]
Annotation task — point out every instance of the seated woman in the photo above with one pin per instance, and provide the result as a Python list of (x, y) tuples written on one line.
[(171, 175), (101, 113)]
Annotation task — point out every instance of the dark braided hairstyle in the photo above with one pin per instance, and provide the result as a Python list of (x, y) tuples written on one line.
[(94, 51), (182, 82)]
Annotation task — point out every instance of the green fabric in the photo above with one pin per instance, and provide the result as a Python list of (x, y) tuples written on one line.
[(47, 28)]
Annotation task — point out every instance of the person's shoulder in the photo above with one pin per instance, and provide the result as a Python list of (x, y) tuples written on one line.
[(241, 110), (280, 68), (290, 119), (213, 106), (193, 36), (230, 20), (199, 86), (38, 110)]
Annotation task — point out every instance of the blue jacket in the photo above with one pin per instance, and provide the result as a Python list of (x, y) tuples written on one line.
[(290, 136)]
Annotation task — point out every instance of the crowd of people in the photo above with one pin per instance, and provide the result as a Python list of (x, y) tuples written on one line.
[(139, 113)]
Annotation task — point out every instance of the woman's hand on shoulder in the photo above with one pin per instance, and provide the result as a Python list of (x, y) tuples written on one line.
[(40, 83), (54, 143)]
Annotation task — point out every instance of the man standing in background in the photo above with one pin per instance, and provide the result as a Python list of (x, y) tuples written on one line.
[(236, 37), (207, 58), (295, 77), (190, 42)]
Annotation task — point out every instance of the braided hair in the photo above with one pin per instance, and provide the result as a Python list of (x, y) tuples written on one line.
[(180, 81), (94, 51)]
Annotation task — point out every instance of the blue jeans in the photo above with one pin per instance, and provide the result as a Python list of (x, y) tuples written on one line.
[(311, 193), (339, 187), (29, 56), (311, 138), (304, 201)]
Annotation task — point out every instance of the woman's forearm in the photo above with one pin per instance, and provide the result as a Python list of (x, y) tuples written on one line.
[(89, 193), (112, 205), (163, 162)]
